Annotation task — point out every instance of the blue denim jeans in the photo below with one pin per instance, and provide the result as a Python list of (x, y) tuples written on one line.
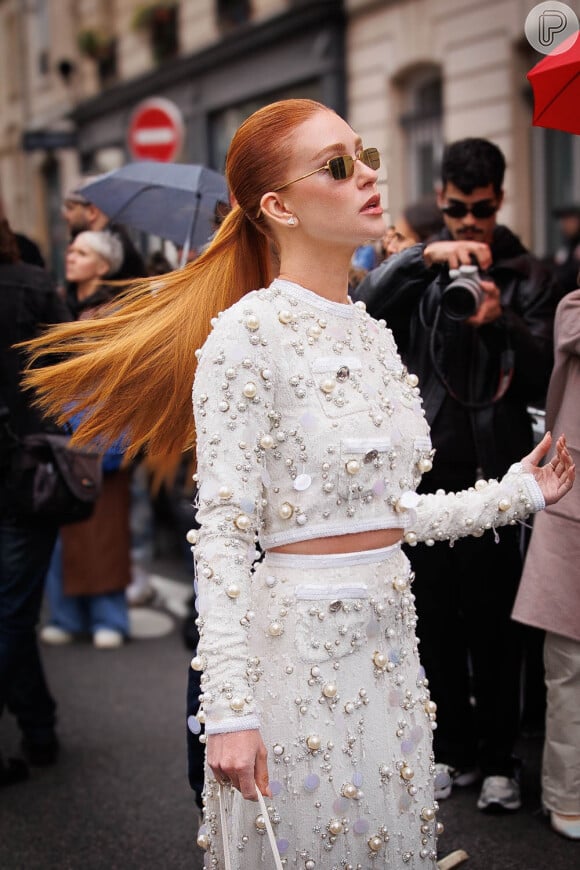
[(81, 614), (24, 558)]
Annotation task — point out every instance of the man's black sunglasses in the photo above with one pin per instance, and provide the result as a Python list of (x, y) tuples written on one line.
[(483, 208)]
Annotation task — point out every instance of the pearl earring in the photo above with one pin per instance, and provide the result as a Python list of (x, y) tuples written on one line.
[(291, 221)]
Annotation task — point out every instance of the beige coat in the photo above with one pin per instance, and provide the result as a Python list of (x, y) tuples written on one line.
[(549, 593)]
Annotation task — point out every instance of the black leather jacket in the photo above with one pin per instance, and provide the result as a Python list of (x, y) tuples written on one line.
[(496, 431), (28, 302)]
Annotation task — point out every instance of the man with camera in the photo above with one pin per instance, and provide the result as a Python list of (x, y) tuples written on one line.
[(472, 315)]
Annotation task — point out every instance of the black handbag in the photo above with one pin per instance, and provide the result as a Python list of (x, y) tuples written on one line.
[(45, 479)]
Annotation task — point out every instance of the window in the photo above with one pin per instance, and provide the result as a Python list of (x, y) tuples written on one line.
[(422, 124), (42, 37), (556, 170), (224, 124), (233, 13), (10, 59)]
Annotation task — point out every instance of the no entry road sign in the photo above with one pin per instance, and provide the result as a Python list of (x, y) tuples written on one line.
[(156, 130)]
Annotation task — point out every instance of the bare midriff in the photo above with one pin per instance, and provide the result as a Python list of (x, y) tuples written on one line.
[(355, 543)]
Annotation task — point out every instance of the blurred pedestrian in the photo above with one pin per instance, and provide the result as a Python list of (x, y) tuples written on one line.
[(479, 369), (418, 223), (80, 215), (566, 260), (549, 593), (311, 442), (29, 251), (90, 567), (158, 264), (28, 302)]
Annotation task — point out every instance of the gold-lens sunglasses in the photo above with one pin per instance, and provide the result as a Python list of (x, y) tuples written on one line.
[(341, 167)]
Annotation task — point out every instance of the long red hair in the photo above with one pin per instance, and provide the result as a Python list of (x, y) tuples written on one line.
[(132, 370)]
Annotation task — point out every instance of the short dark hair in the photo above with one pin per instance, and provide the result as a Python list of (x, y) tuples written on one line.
[(471, 163), (9, 251), (424, 217)]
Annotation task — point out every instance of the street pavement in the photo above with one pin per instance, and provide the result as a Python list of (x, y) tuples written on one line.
[(118, 799)]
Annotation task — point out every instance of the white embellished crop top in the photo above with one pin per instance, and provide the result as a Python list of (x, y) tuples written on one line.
[(308, 425)]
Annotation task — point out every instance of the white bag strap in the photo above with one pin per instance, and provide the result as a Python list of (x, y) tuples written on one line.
[(269, 830)]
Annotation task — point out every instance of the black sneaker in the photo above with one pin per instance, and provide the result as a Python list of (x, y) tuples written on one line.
[(40, 754), (12, 771)]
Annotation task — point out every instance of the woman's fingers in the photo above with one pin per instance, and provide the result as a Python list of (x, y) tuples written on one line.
[(240, 759), (539, 451), (261, 772)]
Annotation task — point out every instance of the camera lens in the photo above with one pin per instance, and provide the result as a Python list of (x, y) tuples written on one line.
[(462, 297)]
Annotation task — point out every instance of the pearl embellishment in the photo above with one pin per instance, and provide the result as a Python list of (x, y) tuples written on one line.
[(242, 522), (328, 385)]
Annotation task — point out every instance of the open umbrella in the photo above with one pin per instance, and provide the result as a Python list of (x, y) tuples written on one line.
[(175, 201), (555, 81)]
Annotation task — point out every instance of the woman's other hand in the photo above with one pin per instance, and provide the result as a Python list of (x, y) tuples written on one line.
[(555, 478), (240, 758)]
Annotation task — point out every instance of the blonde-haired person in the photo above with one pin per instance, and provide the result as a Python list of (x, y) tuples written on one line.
[(311, 441), (90, 570)]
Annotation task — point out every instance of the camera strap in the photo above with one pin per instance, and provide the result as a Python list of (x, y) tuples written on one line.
[(507, 363)]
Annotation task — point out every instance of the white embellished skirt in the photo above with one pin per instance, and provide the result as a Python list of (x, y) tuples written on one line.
[(346, 719)]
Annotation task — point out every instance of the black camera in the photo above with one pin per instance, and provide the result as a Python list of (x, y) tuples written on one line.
[(464, 294)]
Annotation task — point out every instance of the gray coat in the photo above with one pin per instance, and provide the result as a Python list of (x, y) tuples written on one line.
[(549, 593)]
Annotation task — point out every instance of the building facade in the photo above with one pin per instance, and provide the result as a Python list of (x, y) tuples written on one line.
[(407, 74)]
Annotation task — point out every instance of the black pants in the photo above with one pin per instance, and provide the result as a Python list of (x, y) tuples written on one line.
[(25, 553), (470, 648), (195, 750)]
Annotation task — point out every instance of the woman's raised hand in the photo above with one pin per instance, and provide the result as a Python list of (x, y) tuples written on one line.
[(555, 478), (240, 758)]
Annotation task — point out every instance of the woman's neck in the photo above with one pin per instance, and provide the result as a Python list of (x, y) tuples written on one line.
[(86, 289), (327, 276)]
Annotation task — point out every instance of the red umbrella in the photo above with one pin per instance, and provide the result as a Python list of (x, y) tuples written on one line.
[(555, 81)]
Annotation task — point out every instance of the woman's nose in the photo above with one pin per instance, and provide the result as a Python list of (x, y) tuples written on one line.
[(365, 171)]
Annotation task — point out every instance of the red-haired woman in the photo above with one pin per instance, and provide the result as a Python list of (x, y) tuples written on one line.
[(311, 441)]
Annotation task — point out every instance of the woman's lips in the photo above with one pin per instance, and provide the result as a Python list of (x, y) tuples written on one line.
[(373, 206)]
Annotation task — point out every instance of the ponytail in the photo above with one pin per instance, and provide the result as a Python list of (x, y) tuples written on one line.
[(131, 370)]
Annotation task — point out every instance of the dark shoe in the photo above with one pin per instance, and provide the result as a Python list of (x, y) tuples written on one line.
[(40, 754), (13, 770)]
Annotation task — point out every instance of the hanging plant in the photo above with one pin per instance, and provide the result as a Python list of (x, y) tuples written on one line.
[(159, 20), (94, 44), (153, 14)]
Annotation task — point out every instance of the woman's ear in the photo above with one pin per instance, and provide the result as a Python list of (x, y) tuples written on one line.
[(273, 208), (103, 267)]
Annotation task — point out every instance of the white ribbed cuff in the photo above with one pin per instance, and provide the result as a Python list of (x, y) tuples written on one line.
[(535, 494), (230, 726)]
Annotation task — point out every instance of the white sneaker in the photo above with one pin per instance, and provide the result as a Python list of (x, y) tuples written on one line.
[(55, 636), (446, 777), (107, 638), (499, 794), (140, 590), (568, 826)]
